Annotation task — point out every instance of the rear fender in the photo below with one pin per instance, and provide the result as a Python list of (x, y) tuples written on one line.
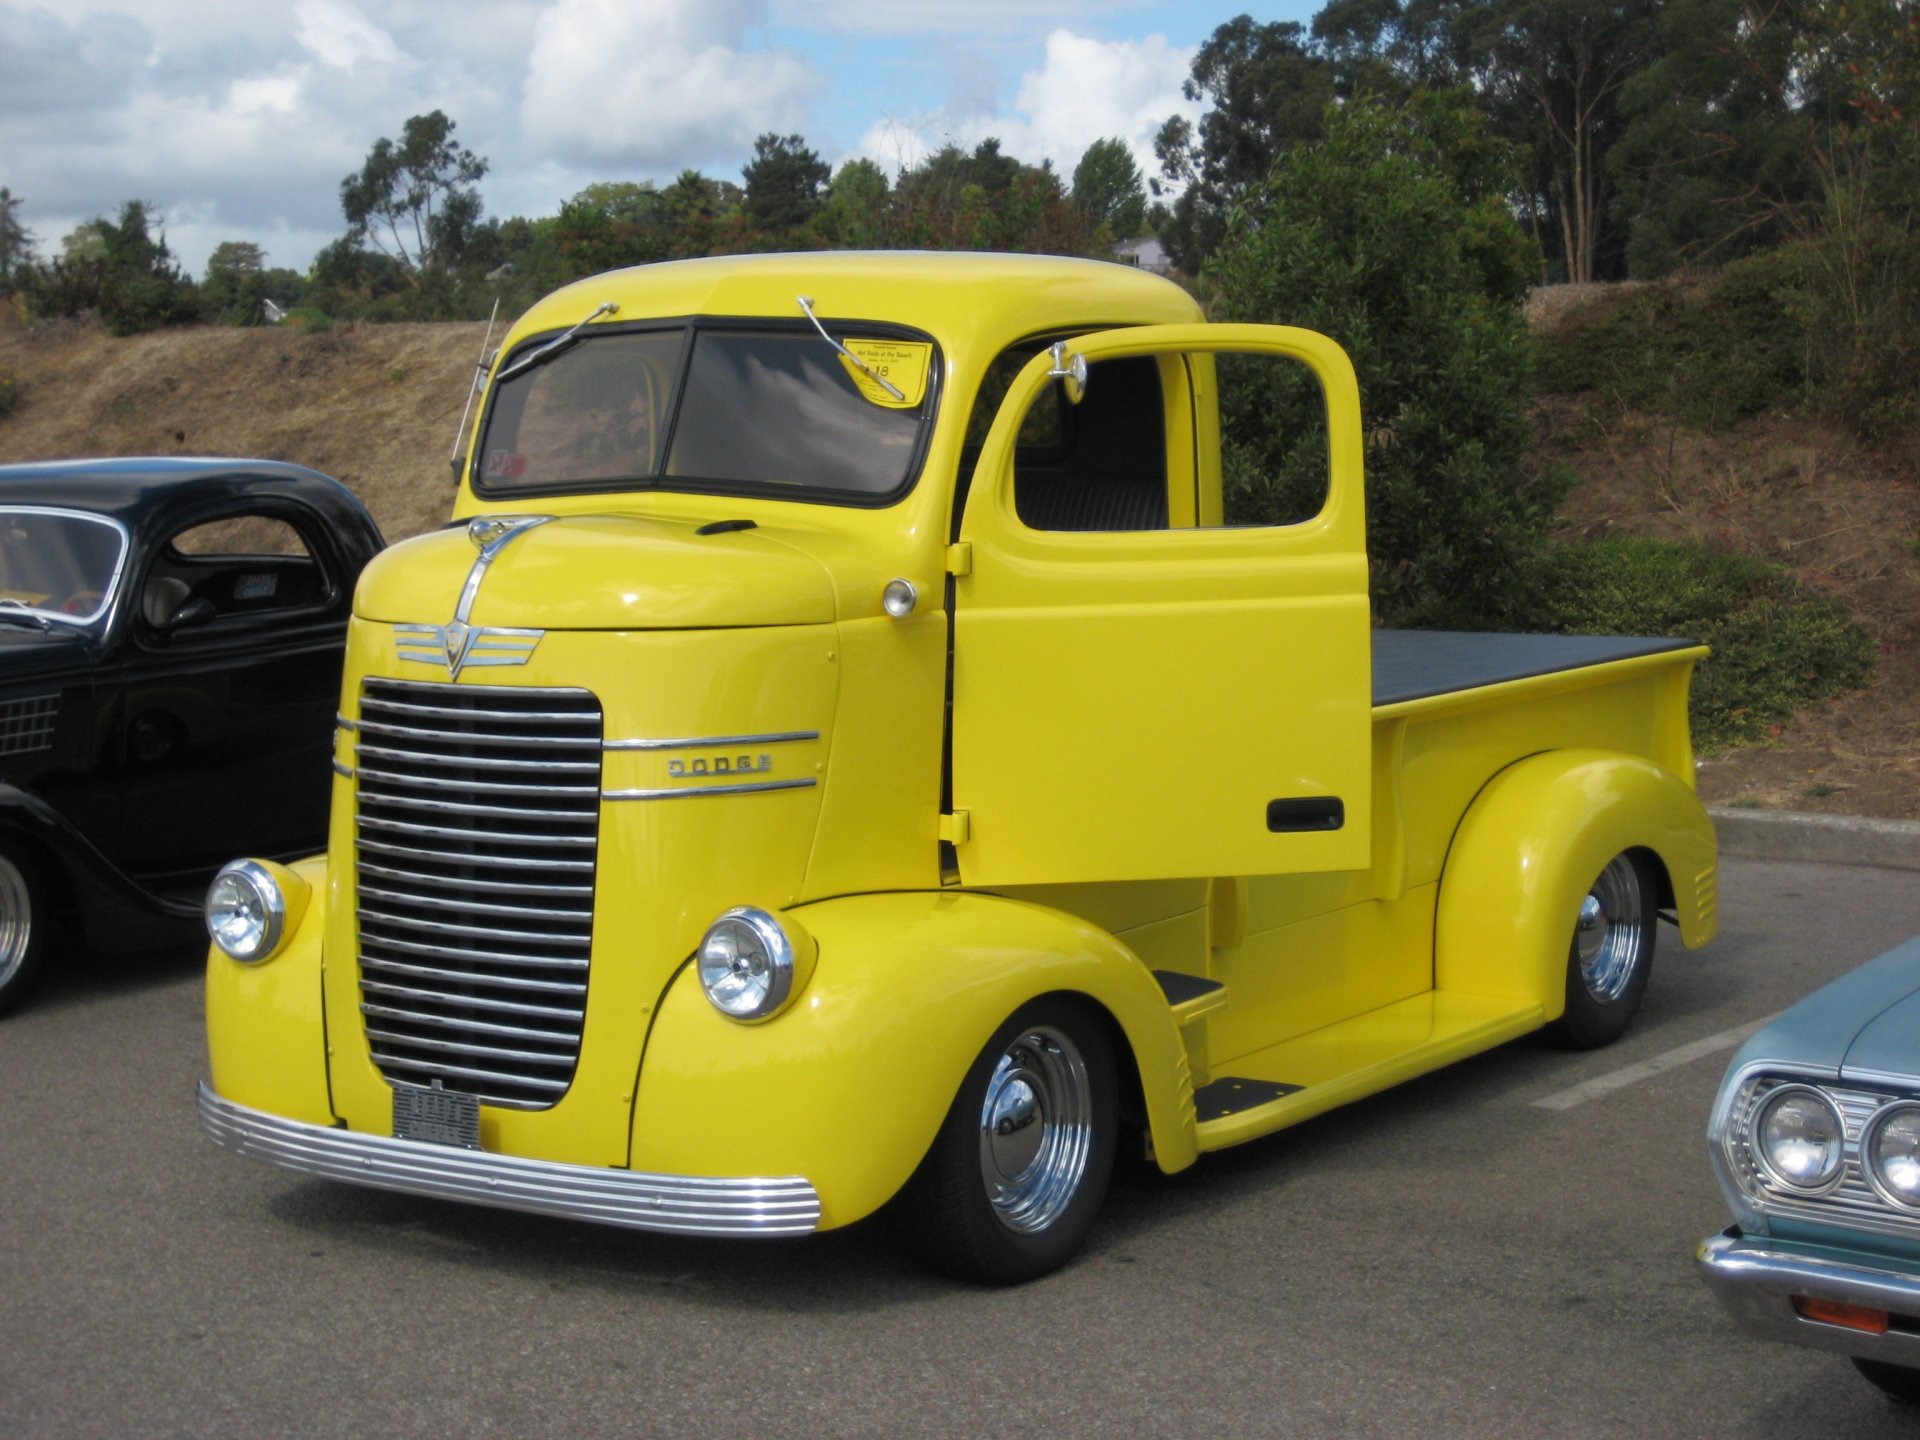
[(1531, 844), (848, 1084)]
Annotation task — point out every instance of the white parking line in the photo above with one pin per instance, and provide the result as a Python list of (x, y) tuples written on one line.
[(1633, 1074)]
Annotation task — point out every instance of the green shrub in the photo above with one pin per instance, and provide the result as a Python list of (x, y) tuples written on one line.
[(9, 391), (1369, 237), (1776, 645)]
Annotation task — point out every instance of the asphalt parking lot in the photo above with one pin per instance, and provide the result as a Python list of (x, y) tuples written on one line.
[(1500, 1249)]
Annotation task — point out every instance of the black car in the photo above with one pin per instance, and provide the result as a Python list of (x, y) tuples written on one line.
[(170, 643)]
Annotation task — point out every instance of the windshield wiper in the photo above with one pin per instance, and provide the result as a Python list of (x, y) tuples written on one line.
[(19, 610), (806, 305), (554, 346)]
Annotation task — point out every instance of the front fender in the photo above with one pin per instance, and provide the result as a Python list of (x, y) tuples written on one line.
[(849, 1083), (1529, 847), (114, 912), (266, 1023)]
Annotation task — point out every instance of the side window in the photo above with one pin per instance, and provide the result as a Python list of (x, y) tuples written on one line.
[(239, 566), (1098, 465), (1275, 468)]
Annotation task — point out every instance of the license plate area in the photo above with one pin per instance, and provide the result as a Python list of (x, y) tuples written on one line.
[(435, 1117)]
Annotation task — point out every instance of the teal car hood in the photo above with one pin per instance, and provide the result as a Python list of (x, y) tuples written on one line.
[(1867, 1020)]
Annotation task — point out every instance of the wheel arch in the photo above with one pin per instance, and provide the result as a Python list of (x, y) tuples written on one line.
[(907, 990), (1532, 842)]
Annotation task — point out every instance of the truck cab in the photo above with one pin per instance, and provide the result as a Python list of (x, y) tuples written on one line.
[(841, 757)]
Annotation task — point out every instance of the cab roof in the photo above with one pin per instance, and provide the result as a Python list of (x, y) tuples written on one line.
[(958, 298)]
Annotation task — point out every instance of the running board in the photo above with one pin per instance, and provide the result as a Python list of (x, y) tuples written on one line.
[(1310, 1074)]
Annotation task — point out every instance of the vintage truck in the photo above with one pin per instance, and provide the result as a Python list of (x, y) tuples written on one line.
[(839, 758)]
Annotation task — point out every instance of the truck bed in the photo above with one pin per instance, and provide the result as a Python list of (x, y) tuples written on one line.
[(1419, 664)]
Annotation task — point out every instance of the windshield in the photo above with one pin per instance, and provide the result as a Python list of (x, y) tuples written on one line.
[(733, 409), (58, 564)]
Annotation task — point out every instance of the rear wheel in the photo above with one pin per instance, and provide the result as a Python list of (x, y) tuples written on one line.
[(1611, 955), (1010, 1187), (23, 927), (1896, 1382)]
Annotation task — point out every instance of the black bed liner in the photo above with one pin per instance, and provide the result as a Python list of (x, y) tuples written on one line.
[(1418, 664)]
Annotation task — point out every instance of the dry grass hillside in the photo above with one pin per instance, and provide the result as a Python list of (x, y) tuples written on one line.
[(373, 405), (377, 407)]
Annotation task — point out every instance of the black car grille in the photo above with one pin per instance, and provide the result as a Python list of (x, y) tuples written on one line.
[(477, 824)]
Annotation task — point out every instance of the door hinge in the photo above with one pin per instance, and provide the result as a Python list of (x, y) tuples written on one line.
[(955, 828), (960, 558)]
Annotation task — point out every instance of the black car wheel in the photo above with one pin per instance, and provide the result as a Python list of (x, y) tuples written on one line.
[(1896, 1382), (1611, 954), (1012, 1183), (22, 930)]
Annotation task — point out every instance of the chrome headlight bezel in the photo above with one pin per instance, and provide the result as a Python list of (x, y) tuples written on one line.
[(1874, 1167), (750, 962), (245, 911), (1757, 1144)]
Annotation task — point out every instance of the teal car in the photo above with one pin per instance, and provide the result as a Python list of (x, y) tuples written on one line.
[(1815, 1136)]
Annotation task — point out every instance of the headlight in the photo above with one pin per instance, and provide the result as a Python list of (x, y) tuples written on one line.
[(1892, 1150), (246, 911), (752, 962), (1798, 1136)]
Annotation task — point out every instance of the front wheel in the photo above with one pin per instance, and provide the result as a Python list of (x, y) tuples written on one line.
[(1611, 955), (1898, 1383), (1010, 1187), (22, 931)]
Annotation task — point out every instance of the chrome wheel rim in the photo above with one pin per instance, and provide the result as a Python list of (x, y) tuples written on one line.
[(16, 920), (1036, 1129), (1610, 935)]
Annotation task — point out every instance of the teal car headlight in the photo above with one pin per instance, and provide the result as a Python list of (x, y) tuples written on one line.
[(245, 911), (1799, 1139), (1891, 1149)]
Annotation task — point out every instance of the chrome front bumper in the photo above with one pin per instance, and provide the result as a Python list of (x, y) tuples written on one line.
[(675, 1204), (1757, 1286)]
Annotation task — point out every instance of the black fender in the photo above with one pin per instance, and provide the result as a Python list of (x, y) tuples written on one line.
[(107, 908)]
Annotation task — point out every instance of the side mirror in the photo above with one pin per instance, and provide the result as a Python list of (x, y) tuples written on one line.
[(197, 611), (1070, 371)]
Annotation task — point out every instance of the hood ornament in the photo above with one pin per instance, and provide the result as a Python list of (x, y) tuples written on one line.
[(459, 644)]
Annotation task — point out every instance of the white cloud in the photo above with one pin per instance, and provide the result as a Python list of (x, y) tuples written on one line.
[(1085, 90), (659, 87), (340, 36)]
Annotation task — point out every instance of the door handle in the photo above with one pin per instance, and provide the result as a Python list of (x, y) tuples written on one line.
[(1306, 813)]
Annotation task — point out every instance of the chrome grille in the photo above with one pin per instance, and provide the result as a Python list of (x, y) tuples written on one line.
[(1854, 1201), (477, 821), (27, 725)]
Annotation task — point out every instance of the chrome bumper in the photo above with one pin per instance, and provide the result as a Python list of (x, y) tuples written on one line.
[(1757, 1286), (676, 1204)]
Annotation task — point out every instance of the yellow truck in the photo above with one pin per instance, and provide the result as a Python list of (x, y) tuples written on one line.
[(838, 758)]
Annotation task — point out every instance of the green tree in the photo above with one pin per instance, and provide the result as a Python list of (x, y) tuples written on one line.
[(786, 183), (855, 215), (1108, 186), (612, 224), (16, 242), (1370, 238), (1550, 73), (1266, 90), (416, 201)]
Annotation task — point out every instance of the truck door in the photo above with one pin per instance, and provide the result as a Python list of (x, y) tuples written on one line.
[(1135, 694)]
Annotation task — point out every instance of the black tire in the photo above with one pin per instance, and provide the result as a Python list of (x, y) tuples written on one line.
[(23, 929), (1008, 1199), (1610, 955), (1896, 1382)]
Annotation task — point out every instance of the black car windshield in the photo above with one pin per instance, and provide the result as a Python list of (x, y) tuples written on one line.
[(58, 564), (750, 409)]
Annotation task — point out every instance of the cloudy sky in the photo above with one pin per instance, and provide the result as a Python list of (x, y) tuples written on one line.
[(238, 118)]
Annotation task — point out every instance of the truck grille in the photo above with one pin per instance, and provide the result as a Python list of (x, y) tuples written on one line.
[(477, 823)]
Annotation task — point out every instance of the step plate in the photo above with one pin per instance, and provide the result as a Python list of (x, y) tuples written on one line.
[(1229, 1095)]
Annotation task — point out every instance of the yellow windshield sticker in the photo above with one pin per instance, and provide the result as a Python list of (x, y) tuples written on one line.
[(902, 363)]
